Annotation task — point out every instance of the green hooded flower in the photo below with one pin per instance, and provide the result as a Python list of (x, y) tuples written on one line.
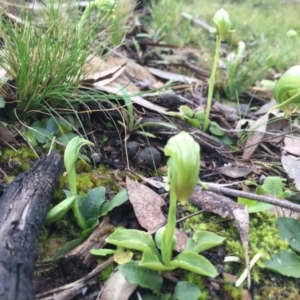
[(70, 157), (183, 164), (287, 89), (222, 24)]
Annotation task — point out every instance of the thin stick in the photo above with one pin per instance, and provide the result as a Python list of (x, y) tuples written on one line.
[(235, 193)]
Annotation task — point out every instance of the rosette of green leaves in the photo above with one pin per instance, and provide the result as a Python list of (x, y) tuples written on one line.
[(183, 164), (287, 90)]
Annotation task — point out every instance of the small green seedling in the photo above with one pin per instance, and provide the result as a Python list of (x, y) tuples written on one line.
[(272, 186), (87, 210), (222, 29), (287, 90), (186, 113), (183, 170)]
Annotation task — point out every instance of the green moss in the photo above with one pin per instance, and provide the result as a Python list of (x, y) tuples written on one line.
[(18, 160), (263, 238), (105, 274), (232, 292), (197, 280)]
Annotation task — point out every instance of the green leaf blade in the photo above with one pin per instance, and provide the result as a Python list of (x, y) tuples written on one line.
[(152, 261), (286, 263), (186, 290), (117, 200), (289, 230), (132, 239), (144, 277), (194, 262), (203, 240), (89, 206)]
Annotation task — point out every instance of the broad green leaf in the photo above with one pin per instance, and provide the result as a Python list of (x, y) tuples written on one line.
[(59, 210), (117, 200), (66, 138), (215, 129), (42, 135), (187, 111), (286, 263), (102, 252), (67, 248), (30, 138), (186, 290), (194, 262), (52, 126), (200, 116), (203, 240), (194, 122), (272, 185), (89, 206), (254, 206), (144, 277), (152, 261), (226, 140), (132, 239), (289, 230)]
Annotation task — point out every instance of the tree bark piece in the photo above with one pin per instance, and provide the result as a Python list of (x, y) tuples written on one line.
[(23, 208)]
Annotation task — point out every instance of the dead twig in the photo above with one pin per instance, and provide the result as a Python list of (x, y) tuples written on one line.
[(235, 193)]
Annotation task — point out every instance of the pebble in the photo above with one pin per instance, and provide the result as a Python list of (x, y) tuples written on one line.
[(132, 149), (149, 157)]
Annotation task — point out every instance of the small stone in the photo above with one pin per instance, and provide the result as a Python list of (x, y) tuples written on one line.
[(169, 100), (96, 158), (232, 118), (148, 158), (132, 149)]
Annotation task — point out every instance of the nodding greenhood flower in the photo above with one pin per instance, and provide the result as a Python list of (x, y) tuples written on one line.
[(287, 89), (222, 24), (183, 164), (70, 157)]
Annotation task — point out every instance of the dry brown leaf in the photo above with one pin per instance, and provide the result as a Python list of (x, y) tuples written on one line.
[(291, 165), (226, 208), (259, 129), (136, 99), (173, 76), (292, 144), (146, 204), (235, 172), (265, 108), (6, 136), (181, 240)]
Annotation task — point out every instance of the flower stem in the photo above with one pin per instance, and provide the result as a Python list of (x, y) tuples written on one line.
[(167, 241), (212, 83)]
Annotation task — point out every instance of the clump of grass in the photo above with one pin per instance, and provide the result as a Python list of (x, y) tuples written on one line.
[(45, 61)]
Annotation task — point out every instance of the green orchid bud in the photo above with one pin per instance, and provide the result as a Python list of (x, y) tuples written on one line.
[(287, 89), (222, 24), (183, 164)]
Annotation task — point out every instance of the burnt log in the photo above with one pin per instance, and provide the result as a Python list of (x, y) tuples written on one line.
[(23, 207)]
